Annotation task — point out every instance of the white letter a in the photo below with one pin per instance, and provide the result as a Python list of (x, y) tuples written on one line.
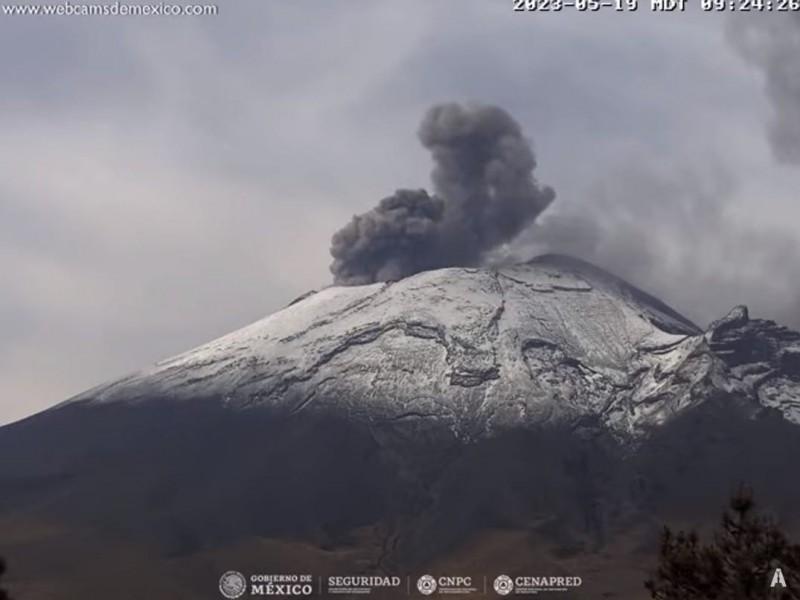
[(777, 579)]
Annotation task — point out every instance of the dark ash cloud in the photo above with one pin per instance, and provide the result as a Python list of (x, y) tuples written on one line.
[(485, 196), (394, 239), (772, 43)]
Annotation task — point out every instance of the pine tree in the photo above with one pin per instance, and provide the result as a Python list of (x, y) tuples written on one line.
[(3, 594), (738, 564)]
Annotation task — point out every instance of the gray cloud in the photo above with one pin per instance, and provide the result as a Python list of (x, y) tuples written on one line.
[(670, 227), (153, 172), (772, 42), (487, 195)]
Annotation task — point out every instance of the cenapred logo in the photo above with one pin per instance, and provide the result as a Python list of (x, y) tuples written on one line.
[(503, 585), (232, 584), (426, 585)]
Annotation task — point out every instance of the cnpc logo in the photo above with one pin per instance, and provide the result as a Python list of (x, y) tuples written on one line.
[(428, 584)]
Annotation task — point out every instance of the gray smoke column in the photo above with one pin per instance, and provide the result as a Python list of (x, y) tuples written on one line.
[(485, 196), (772, 42)]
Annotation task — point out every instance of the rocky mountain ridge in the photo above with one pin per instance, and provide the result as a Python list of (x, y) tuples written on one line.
[(555, 339)]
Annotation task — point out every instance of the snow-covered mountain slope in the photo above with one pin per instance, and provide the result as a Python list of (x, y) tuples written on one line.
[(482, 350), (389, 428)]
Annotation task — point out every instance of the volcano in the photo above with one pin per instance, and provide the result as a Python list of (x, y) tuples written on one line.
[(546, 417)]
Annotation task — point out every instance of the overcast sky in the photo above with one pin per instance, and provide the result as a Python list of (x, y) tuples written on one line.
[(166, 180)]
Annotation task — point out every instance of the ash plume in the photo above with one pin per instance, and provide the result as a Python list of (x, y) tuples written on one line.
[(667, 226), (485, 196), (772, 43)]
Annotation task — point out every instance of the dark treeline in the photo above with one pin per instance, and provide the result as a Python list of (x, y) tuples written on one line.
[(747, 558)]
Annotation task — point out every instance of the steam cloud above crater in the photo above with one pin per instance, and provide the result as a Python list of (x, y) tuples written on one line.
[(486, 195), (772, 43)]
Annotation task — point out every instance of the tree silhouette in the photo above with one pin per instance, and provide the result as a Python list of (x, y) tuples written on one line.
[(3, 594), (738, 564)]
